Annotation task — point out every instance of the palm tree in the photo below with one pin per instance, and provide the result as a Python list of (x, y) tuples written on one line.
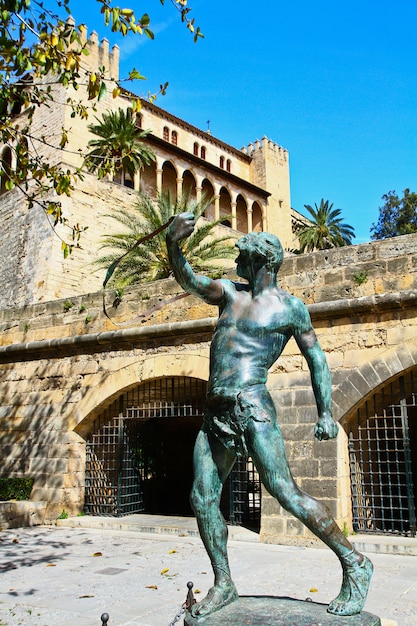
[(119, 147), (327, 229), (149, 261)]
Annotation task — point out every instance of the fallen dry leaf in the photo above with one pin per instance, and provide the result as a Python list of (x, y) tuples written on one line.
[(86, 596), (313, 590), (172, 552), (196, 590), (165, 570), (98, 554), (151, 586), (51, 565)]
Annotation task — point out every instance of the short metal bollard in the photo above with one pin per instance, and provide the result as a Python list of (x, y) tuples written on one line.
[(104, 619)]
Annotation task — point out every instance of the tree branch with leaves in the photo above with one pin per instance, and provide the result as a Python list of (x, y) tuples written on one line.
[(41, 47), (397, 216)]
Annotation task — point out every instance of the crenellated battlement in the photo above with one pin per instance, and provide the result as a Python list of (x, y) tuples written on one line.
[(265, 145), (100, 55)]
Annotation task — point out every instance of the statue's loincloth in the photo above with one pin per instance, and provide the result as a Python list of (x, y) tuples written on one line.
[(228, 414)]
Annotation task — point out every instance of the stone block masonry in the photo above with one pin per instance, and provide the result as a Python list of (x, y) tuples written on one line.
[(58, 371)]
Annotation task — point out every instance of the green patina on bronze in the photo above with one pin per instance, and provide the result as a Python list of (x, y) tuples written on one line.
[(256, 320)]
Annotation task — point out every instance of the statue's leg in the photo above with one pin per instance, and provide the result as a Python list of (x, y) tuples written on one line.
[(267, 450), (212, 465)]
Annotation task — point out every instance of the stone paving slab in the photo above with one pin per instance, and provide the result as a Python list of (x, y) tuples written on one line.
[(56, 576)]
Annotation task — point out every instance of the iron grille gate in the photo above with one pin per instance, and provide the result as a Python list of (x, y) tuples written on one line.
[(113, 475), (383, 460), (126, 456), (245, 492)]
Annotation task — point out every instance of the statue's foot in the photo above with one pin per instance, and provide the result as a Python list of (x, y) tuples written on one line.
[(355, 585), (218, 596)]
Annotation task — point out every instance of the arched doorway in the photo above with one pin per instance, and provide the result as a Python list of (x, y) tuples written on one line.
[(189, 186), (207, 192), (257, 222), (241, 214), (139, 455), (169, 180), (225, 203), (383, 458)]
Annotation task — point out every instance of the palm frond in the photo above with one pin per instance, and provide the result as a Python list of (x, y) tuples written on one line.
[(149, 261)]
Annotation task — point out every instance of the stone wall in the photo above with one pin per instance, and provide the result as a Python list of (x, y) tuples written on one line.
[(60, 366), (352, 272)]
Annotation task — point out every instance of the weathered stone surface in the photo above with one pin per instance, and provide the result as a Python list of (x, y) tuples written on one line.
[(15, 514), (267, 611)]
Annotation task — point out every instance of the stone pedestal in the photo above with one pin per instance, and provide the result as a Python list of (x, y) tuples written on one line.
[(267, 611)]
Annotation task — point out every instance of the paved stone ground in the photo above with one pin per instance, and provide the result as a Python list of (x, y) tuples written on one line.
[(60, 576)]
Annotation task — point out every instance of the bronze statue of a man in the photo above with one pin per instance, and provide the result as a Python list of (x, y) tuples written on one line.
[(256, 320)]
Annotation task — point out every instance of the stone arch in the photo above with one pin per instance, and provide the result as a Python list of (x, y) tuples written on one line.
[(103, 391), (257, 222), (169, 180), (207, 191), (225, 205), (364, 380), (189, 185), (241, 214)]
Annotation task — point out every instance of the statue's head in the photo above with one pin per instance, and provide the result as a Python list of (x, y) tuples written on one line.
[(263, 249)]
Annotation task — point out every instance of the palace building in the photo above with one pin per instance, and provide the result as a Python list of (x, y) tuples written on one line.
[(249, 187)]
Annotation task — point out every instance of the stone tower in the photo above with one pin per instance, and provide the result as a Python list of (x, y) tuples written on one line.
[(270, 170)]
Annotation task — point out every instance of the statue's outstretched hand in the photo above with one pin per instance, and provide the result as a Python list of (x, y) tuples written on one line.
[(326, 428), (181, 227)]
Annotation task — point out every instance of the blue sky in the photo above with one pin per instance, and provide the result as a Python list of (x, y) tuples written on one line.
[(333, 82)]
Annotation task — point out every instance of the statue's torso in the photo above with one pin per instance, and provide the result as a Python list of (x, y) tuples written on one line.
[(250, 335)]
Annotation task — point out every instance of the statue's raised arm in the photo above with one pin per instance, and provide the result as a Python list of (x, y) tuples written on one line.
[(209, 290)]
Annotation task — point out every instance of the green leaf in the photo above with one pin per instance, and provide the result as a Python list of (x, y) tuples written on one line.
[(103, 90), (136, 75)]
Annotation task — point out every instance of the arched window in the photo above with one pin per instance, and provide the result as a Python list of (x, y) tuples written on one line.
[(228, 165), (195, 149), (203, 152), (174, 137), (166, 133), (222, 162), (139, 120), (6, 166)]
